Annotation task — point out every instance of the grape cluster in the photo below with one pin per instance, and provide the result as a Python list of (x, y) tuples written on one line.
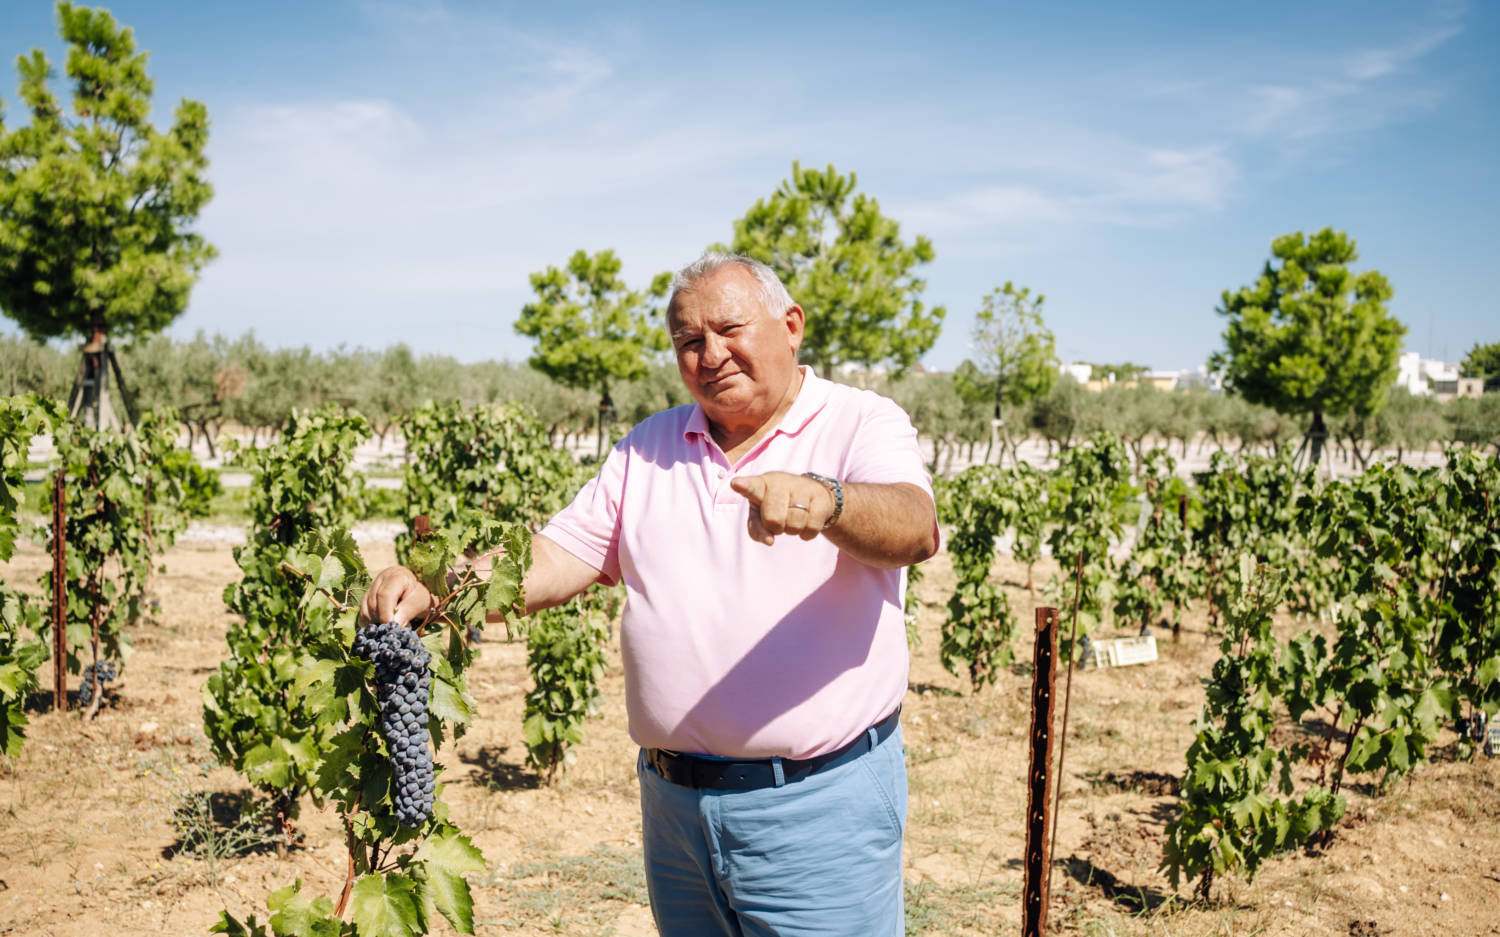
[(107, 673), (402, 682)]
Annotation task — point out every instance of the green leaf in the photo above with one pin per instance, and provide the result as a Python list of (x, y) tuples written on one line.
[(386, 905), (449, 704), (230, 925), (1489, 672), (297, 915), (447, 858)]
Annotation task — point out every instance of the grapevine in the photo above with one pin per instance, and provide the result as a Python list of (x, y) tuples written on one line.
[(254, 719), (911, 606), (406, 857), (565, 655), (1410, 567), (1231, 817), (468, 464), (21, 418), (1091, 491), (1033, 513), (979, 626), (1249, 505), (1158, 572), (110, 496)]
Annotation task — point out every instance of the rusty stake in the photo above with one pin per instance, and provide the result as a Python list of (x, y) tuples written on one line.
[(59, 593), (1039, 778)]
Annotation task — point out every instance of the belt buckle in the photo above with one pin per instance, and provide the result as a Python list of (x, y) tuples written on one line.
[(658, 758)]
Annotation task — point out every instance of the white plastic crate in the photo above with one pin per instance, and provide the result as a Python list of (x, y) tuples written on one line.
[(1121, 652)]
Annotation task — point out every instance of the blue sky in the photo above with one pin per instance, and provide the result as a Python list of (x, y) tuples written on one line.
[(392, 171)]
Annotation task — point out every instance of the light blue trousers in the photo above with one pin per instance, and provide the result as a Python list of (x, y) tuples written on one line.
[(820, 856)]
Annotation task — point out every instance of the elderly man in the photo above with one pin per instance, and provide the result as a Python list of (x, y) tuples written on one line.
[(762, 536)]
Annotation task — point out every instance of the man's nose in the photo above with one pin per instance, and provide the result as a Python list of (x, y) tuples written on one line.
[(715, 351)]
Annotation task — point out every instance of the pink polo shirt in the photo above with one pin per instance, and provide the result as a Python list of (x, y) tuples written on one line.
[(732, 647)]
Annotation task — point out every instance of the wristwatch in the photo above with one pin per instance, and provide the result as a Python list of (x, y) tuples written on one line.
[(836, 488)]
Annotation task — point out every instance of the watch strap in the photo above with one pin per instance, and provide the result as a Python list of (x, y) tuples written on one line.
[(836, 488)]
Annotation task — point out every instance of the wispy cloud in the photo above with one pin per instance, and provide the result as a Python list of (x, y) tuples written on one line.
[(1360, 91), (1368, 64), (1113, 183), (331, 215), (544, 73)]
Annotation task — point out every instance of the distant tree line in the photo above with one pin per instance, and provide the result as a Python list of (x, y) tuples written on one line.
[(956, 429), (215, 382)]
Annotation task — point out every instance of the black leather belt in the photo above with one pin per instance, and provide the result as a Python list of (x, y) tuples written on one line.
[(751, 774)]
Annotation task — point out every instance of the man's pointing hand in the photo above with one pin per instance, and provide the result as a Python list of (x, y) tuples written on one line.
[(783, 503)]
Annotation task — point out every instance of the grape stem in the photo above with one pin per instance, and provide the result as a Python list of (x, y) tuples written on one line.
[(289, 568)]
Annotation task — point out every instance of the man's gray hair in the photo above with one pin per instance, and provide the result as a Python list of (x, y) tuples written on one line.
[(773, 294)]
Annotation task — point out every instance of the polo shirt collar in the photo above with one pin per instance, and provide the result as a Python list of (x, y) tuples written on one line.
[(811, 398)]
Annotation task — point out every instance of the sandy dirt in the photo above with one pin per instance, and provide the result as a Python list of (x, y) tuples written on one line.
[(88, 842)]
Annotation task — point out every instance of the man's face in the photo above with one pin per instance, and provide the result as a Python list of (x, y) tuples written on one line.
[(736, 359)]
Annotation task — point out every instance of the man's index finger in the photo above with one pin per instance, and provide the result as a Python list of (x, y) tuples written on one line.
[(753, 487)]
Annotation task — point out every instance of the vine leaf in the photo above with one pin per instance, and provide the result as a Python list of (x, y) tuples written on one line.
[(430, 560), (297, 915), (272, 764), (338, 770), (449, 703), (447, 858), (314, 682), (230, 925), (386, 906)]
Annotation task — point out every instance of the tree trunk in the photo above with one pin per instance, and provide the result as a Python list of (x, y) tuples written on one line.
[(1316, 434), (209, 440)]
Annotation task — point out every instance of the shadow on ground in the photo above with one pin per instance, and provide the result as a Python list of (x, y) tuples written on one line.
[(1129, 897), (222, 823), (498, 774)]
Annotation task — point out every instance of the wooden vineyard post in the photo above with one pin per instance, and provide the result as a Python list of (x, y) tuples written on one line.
[(1039, 777), (59, 594)]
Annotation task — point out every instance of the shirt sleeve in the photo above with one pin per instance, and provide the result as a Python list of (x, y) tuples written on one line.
[(885, 448), (589, 528)]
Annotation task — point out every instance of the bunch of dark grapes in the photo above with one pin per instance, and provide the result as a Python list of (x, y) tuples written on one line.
[(107, 673), (402, 682)]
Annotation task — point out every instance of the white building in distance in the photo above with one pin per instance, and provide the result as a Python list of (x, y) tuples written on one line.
[(1422, 376), (1161, 380)]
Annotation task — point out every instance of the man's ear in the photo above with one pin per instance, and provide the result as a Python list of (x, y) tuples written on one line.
[(795, 321)]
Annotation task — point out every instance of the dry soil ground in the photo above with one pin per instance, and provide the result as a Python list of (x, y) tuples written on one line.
[(88, 842)]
